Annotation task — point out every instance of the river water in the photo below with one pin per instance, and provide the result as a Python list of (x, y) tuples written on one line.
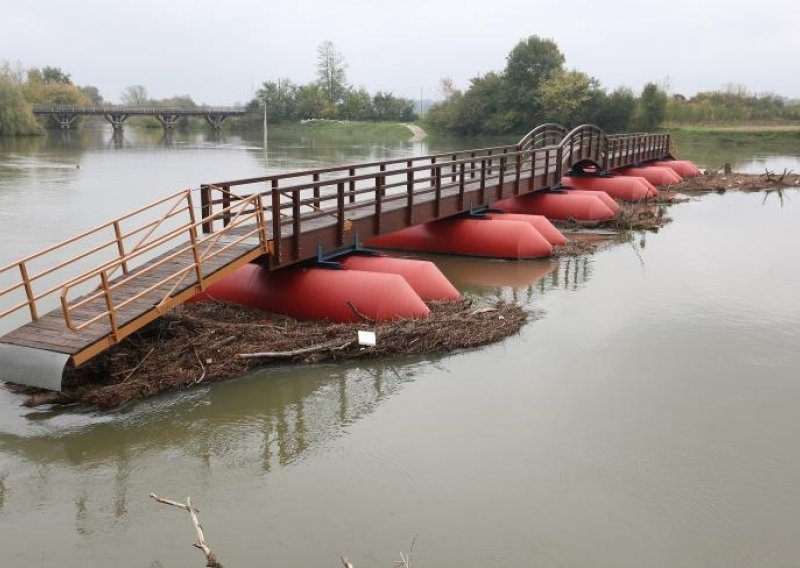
[(645, 416)]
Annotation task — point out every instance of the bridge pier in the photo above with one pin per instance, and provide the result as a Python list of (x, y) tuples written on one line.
[(116, 120), (168, 121), (216, 119), (65, 120)]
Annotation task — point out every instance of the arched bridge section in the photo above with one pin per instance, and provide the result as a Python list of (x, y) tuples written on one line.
[(77, 298), (65, 115)]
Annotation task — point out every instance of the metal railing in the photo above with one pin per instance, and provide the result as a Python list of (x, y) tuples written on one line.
[(184, 241), (126, 258), (298, 201)]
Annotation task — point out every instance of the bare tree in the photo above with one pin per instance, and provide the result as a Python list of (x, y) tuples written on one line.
[(331, 71), (135, 95)]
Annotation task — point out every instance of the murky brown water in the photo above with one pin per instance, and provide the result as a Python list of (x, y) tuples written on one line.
[(646, 416)]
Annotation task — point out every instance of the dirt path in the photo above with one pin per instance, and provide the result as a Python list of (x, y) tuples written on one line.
[(418, 132)]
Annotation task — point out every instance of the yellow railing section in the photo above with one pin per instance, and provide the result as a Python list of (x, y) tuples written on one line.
[(170, 227)]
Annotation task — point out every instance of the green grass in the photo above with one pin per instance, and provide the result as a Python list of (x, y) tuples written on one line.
[(735, 129), (345, 130)]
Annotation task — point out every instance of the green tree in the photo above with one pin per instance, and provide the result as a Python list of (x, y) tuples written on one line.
[(280, 98), (93, 94), (313, 102), (564, 97), (443, 114), (52, 75), (386, 106), (331, 72), (651, 108), (614, 111), (356, 104), (481, 109), (16, 118), (528, 65)]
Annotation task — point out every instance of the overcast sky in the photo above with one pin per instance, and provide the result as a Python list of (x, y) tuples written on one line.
[(219, 51)]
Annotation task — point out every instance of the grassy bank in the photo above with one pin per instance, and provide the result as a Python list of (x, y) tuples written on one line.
[(344, 130)]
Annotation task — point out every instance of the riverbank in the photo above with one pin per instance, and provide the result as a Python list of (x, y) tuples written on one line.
[(344, 130)]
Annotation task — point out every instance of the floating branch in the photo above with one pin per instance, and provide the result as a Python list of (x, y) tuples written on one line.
[(211, 559)]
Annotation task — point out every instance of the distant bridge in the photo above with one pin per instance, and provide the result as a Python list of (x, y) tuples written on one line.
[(65, 115)]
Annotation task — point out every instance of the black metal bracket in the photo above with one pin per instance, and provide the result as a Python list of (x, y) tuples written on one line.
[(557, 187), (328, 259), (577, 172), (480, 212)]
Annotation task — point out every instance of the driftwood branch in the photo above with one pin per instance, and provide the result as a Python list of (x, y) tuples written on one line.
[(295, 352), (211, 559), (359, 313)]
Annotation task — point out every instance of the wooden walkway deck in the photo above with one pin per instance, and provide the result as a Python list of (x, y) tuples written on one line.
[(163, 254)]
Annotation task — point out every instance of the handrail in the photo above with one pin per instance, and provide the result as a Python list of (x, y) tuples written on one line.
[(114, 241), (192, 244), (547, 134)]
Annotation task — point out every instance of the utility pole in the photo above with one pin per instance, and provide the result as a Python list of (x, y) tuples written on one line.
[(265, 133)]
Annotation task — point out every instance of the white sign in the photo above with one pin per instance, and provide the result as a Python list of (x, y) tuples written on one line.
[(367, 338)]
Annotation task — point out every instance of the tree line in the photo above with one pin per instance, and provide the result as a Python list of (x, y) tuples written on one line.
[(732, 104), (330, 96), (534, 88)]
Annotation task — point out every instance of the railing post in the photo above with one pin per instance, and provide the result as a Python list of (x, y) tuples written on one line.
[(205, 209), (437, 204), (121, 245), (317, 191), (482, 189), (261, 224), (547, 165), (378, 205), (226, 203), (501, 179), (518, 167), (472, 165), (340, 220), (193, 239), (461, 184), (453, 168), (296, 228), (489, 163), (352, 173), (112, 316), (276, 222), (559, 163), (26, 281), (409, 193), (533, 170), (382, 168)]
